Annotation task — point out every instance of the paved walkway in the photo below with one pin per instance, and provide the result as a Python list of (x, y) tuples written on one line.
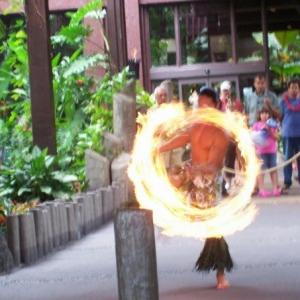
[(266, 255)]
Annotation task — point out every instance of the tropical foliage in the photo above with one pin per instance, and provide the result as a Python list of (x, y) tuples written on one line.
[(83, 110), (284, 47), (31, 175), (13, 207)]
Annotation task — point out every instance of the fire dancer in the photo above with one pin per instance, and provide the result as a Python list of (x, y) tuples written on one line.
[(199, 178)]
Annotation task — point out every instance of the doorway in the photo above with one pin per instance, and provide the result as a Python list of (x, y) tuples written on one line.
[(188, 86)]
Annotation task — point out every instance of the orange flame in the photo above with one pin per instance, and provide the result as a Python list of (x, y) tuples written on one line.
[(155, 192), (134, 53)]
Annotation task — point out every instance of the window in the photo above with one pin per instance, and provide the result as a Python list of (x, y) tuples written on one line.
[(250, 46), (205, 33), (162, 36), (58, 20), (249, 30)]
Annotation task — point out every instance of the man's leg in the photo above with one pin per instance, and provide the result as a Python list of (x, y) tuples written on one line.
[(287, 154), (222, 282), (215, 253), (297, 149)]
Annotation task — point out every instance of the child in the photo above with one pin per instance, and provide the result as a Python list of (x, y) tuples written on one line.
[(267, 152)]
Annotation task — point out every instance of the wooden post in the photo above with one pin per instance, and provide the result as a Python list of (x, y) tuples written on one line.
[(135, 253), (40, 74), (13, 237), (265, 41), (28, 247), (116, 34)]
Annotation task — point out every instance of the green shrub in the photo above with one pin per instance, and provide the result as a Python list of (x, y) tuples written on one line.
[(32, 176)]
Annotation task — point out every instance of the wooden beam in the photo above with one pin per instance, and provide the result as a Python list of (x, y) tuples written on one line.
[(40, 74), (233, 33), (198, 71), (265, 41), (116, 34), (145, 49)]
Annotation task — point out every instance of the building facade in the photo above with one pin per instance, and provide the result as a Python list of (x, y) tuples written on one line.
[(196, 43), (192, 43)]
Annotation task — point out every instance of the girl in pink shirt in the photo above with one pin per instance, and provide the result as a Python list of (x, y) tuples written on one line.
[(267, 152)]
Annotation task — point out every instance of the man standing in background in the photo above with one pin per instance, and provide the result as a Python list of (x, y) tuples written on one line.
[(290, 119), (261, 97)]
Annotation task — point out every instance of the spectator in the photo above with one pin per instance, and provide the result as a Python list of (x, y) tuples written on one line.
[(290, 122), (174, 156), (267, 152), (226, 94), (258, 98)]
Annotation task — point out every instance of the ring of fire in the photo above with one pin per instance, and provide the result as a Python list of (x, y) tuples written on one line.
[(155, 192)]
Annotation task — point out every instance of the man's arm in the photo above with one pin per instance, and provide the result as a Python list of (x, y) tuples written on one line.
[(175, 142), (246, 105), (276, 113), (274, 134), (281, 110), (273, 106)]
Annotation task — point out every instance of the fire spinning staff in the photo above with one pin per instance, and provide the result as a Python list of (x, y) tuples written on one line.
[(170, 208)]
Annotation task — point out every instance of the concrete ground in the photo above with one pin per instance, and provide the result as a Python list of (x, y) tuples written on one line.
[(266, 255)]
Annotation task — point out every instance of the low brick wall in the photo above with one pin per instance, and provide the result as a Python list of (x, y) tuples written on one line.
[(52, 225)]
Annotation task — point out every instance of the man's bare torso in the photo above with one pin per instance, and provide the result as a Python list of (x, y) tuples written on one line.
[(208, 144)]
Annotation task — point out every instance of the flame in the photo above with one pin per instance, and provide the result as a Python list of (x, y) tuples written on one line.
[(155, 192), (133, 53)]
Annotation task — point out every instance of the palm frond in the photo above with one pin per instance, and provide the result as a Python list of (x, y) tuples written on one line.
[(72, 35), (85, 62), (82, 12), (65, 138)]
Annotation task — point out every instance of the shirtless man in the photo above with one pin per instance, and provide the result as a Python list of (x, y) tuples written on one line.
[(208, 149)]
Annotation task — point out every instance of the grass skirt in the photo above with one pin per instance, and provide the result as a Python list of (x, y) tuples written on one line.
[(214, 256), (202, 191)]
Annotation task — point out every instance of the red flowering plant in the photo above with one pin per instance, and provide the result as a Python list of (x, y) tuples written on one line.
[(2, 218), (2, 215), (13, 207)]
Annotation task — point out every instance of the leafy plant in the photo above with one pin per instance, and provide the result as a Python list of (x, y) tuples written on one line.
[(15, 115), (83, 109), (284, 55), (14, 71), (102, 98), (32, 176), (77, 32), (14, 5), (142, 97)]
